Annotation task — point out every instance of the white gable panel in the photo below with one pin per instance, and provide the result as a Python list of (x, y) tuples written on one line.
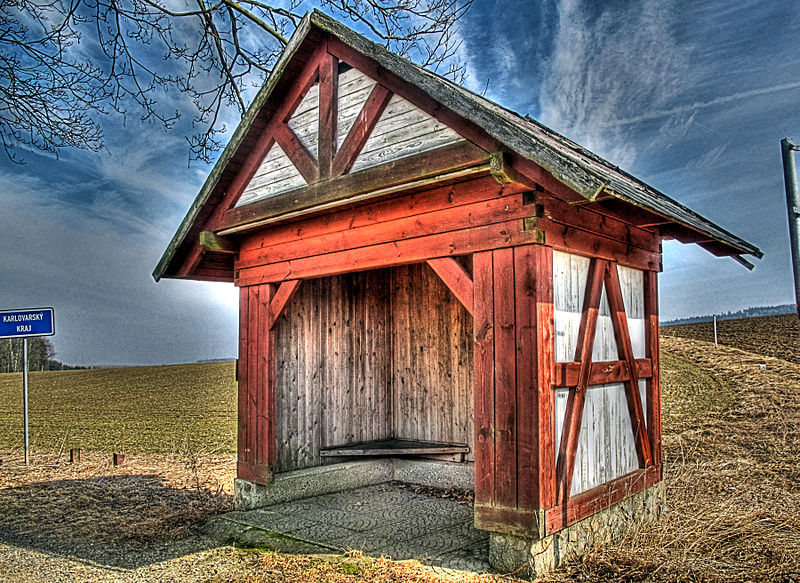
[(354, 89), (305, 121), (403, 130), (275, 175)]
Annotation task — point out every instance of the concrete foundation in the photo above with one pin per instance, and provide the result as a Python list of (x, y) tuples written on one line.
[(340, 477), (534, 558)]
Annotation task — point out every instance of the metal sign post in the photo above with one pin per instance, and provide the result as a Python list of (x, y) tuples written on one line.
[(25, 398), (24, 324)]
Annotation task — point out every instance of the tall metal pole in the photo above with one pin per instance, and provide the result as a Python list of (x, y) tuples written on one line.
[(25, 396), (793, 206)]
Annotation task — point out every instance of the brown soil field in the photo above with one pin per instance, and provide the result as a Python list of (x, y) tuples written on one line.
[(777, 336), (732, 476)]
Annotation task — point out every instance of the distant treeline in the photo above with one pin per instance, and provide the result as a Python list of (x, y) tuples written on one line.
[(748, 313), (41, 355)]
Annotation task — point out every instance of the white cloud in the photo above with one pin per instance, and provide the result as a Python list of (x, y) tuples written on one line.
[(615, 65)]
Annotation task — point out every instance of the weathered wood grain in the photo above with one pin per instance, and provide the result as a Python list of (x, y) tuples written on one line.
[(431, 368), (275, 175), (402, 130)]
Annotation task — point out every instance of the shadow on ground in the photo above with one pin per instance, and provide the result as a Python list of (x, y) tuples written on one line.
[(118, 520)]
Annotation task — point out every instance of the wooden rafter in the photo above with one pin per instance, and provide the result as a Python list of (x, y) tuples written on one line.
[(297, 153)]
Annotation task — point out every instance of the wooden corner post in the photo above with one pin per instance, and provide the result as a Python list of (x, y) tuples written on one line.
[(513, 395), (260, 306)]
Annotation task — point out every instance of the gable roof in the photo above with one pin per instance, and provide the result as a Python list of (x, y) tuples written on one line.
[(585, 173)]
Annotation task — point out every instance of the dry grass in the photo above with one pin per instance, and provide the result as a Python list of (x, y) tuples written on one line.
[(352, 568), (108, 514), (732, 473)]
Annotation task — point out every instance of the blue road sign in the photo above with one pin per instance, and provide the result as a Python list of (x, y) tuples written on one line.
[(25, 323)]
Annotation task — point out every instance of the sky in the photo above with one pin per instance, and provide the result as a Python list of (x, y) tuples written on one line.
[(691, 97)]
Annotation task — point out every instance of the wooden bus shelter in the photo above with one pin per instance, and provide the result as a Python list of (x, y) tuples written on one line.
[(424, 273)]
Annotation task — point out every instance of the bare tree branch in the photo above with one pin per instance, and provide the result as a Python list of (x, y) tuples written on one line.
[(64, 64)]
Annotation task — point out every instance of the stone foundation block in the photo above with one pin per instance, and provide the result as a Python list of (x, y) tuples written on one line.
[(534, 558)]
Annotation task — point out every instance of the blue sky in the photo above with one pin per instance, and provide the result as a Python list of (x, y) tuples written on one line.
[(691, 97)]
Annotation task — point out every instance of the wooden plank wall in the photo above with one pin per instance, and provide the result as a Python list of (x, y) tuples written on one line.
[(606, 448), (371, 355), (431, 359), (332, 354)]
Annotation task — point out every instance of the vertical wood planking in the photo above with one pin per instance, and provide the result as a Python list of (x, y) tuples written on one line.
[(431, 367), (544, 359), (483, 387), (527, 398), (332, 367), (505, 381), (265, 438), (243, 378), (254, 365), (653, 400)]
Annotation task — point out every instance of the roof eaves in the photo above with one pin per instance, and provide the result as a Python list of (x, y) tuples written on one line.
[(233, 145)]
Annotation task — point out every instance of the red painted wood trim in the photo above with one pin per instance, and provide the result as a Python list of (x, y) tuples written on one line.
[(539, 175), (297, 153), (595, 223), (592, 501), (265, 414), (570, 433), (451, 204), (483, 377), (613, 371), (652, 347), (328, 112), (448, 219), (545, 357), (243, 378), (258, 151), (254, 473), (622, 335), (281, 298), (574, 240), (416, 250), (456, 278), (362, 128), (505, 379), (526, 394)]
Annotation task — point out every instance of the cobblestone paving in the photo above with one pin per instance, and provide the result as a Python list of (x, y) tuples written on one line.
[(383, 520)]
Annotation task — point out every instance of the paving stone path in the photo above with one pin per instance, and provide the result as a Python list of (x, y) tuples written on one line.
[(384, 520)]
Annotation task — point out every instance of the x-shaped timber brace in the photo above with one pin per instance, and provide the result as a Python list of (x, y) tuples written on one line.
[(582, 373)]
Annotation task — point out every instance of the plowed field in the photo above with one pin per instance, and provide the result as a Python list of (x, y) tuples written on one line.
[(776, 336)]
